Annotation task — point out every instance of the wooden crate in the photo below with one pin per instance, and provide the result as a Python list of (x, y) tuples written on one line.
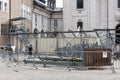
[(97, 57)]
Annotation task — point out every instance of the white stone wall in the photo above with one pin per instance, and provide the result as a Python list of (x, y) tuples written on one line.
[(114, 14), (93, 15), (71, 15)]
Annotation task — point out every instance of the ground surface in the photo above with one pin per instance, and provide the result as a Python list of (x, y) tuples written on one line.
[(21, 72)]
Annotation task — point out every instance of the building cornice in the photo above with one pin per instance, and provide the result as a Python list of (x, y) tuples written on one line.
[(57, 10)]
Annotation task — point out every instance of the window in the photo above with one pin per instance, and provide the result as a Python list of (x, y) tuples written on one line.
[(55, 23), (35, 19), (22, 12), (117, 37), (29, 15), (6, 6), (79, 25), (1, 5), (42, 21), (79, 4), (0, 27), (118, 3), (26, 12)]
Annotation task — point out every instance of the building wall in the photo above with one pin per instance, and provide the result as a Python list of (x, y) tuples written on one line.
[(41, 19), (57, 15), (93, 15), (4, 13), (27, 6), (72, 15), (45, 19), (114, 14), (16, 11), (3, 20), (22, 8), (15, 8)]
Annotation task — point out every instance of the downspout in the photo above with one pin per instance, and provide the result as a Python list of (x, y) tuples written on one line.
[(107, 15), (9, 20), (32, 15)]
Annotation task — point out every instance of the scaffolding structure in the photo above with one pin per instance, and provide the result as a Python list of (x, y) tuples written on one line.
[(72, 52)]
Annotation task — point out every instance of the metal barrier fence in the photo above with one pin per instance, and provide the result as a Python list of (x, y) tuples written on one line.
[(86, 59), (55, 48)]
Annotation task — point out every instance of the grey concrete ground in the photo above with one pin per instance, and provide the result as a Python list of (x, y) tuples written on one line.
[(53, 73)]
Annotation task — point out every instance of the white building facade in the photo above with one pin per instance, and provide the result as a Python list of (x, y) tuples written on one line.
[(91, 14)]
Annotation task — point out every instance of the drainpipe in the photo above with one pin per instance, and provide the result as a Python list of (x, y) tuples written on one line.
[(107, 15), (9, 20)]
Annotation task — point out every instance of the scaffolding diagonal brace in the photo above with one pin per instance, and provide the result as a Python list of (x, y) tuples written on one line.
[(98, 36)]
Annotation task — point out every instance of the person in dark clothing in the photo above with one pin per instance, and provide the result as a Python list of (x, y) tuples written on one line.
[(10, 53), (30, 49)]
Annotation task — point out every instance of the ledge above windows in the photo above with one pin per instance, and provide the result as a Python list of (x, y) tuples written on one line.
[(80, 10)]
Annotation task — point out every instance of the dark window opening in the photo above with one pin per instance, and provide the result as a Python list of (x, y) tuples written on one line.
[(79, 25), (35, 19), (117, 36), (5, 6), (0, 5), (118, 3), (79, 4), (55, 23)]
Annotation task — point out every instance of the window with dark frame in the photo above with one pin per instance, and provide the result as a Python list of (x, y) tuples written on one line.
[(118, 3), (80, 4), (79, 25), (0, 5), (55, 23), (35, 19), (117, 36), (5, 7)]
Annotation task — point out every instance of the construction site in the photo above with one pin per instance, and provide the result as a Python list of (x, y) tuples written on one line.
[(79, 44), (76, 56)]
